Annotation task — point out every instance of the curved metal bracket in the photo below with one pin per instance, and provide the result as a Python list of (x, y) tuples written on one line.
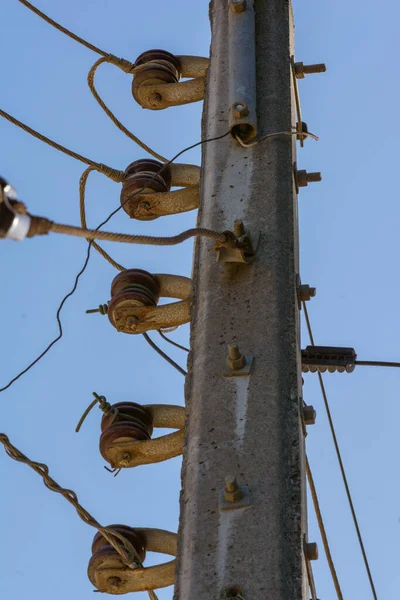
[(130, 318), (163, 95), (135, 453), (108, 574), (151, 205)]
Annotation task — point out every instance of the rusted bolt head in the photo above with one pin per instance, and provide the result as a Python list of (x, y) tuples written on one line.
[(230, 483), (155, 98), (238, 228), (305, 292), (237, 6), (123, 459), (235, 359), (114, 582), (311, 551), (232, 492), (239, 110), (309, 415)]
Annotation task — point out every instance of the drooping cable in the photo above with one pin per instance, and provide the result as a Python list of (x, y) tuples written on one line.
[(122, 63), (113, 174), (322, 530), (342, 470), (216, 138), (163, 355), (167, 339), (111, 115)]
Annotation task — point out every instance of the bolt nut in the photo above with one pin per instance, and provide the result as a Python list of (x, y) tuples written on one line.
[(239, 110), (309, 415), (237, 6), (305, 292), (301, 70), (304, 178), (311, 551), (114, 582), (124, 459), (232, 492), (235, 360), (238, 228)]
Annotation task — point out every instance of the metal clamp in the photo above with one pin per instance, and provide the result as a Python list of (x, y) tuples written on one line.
[(144, 452), (244, 252), (108, 574), (152, 203), (126, 316), (156, 82)]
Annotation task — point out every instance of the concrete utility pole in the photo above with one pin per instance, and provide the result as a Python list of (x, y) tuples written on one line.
[(247, 427)]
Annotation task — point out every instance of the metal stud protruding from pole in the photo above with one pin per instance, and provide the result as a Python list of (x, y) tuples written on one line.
[(311, 550), (303, 177), (309, 415), (235, 359), (301, 70)]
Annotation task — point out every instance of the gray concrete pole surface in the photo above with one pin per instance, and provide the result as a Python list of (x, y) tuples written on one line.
[(248, 427)]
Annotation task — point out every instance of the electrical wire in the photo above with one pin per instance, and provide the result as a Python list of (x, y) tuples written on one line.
[(111, 115), (122, 63), (85, 264), (166, 338), (164, 356), (339, 457), (322, 530), (376, 363)]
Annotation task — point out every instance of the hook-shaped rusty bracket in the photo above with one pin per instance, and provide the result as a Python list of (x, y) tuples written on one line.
[(108, 574), (151, 205), (122, 454), (128, 317), (156, 95)]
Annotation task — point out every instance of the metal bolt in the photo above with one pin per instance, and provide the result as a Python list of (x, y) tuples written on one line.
[(305, 292), (301, 69), (235, 360), (238, 228), (304, 178), (239, 110), (231, 483), (237, 6), (309, 415), (131, 321), (144, 205), (232, 492), (311, 551), (123, 459), (114, 582), (156, 97)]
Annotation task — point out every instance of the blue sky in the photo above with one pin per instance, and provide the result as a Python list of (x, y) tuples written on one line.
[(349, 249)]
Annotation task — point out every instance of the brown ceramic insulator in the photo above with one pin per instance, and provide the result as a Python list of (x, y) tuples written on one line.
[(160, 55), (154, 75), (135, 411), (100, 544), (122, 430), (135, 187), (139, 277), (149, 165)]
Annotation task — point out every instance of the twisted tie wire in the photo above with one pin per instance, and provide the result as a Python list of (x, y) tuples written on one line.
[(111, 115)]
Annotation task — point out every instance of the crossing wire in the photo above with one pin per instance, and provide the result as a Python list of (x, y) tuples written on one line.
[(341, 465), (322, 530)]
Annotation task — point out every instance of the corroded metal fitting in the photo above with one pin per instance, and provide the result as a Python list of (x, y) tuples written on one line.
[(303, 178), (134, 296), (235, 359), (305, 292), (108, 574), (132, 450), (309, 415), (237, 6), (311, 550), (301, 128), (301, 70), (125, 421), (156, 79), (232, 492), (146, 191)]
